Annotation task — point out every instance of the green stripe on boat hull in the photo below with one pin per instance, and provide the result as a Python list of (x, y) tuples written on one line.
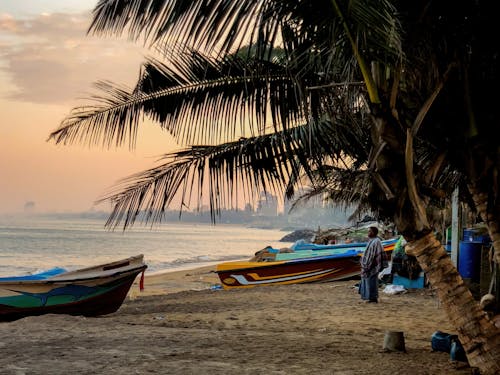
[(102, 303), (90, 291)]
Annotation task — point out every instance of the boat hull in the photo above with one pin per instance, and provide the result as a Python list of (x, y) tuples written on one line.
[(302, 266), (91, 292), (308, 270), (359, 246)]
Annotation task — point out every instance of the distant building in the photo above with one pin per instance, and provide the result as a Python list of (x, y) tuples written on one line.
[(314, 212), (267, 205), (313, 203), (29, 207)]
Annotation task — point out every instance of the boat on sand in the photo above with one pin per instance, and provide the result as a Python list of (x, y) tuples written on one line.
[(91, 291), (318, 263)]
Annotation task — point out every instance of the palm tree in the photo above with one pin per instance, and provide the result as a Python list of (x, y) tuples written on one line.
[(307, 90)]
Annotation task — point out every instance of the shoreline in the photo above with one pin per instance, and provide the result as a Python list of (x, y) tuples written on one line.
[(175, 281)]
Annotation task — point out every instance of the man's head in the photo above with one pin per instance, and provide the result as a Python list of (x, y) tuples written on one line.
[(372, 232)]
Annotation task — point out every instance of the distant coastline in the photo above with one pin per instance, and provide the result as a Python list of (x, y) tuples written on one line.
[(304, 219)]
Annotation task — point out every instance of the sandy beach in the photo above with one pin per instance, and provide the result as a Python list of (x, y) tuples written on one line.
[(178, 325)]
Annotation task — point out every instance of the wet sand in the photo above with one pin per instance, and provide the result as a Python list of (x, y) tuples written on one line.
[(178, 325)]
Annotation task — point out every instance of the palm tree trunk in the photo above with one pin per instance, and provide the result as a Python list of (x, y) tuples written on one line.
[(478, 335), (394, 165), (490, 215)]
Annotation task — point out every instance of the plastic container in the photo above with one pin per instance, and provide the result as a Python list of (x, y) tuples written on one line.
[(484, 238), (408, 283), (468, 235), (457, 352), (469, 259), (476, 235), (441, 341)]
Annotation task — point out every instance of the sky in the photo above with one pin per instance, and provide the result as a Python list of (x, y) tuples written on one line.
[(47, 65)]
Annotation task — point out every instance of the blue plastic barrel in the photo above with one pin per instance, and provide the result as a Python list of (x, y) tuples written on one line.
[(469, 234), (484, 238), (473, 235), (469, 259)]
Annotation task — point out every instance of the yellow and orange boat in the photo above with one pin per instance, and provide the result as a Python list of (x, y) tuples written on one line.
[(318, 263)]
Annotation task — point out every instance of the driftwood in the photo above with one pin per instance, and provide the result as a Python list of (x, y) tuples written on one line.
[(394, 341)]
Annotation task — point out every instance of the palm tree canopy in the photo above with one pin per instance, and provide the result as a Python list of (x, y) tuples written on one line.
[(216, 93), (297, 67)]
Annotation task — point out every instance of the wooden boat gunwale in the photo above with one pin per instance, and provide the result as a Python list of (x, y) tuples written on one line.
[(62, 277), (104, 291)]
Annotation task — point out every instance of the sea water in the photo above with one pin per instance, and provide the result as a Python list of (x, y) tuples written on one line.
[(37, 243)]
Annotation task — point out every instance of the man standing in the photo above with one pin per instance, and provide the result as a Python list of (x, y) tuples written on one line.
[(373, 261)]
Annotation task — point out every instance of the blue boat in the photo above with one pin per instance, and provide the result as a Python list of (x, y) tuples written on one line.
[(91, 291)]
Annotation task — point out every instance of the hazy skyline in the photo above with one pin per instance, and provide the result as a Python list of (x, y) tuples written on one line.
[(47, 63)]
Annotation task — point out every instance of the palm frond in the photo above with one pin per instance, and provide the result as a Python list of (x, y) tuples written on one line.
[(250, 165), (110, 121), (226, 25), (192, 23), (225, 99)]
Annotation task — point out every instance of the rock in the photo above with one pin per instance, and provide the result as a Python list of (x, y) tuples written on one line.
[(300, 234)]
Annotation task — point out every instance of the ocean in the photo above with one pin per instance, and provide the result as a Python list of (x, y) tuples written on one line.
[(37, 243)]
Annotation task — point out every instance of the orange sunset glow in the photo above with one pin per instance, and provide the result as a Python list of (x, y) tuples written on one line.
[(47, 64)]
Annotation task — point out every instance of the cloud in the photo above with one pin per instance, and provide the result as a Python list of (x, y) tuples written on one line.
[(7, 23), (51, 59)]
